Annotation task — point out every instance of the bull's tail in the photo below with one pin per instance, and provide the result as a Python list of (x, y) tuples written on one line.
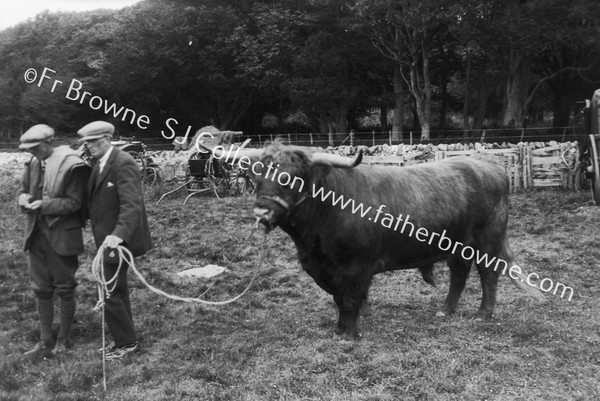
[(521, 282), (517, 276)]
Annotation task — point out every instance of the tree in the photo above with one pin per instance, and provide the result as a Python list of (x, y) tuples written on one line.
[(53, 41), (405, 31), (542, 39), (331, 67), (228, 63), (570, 55)]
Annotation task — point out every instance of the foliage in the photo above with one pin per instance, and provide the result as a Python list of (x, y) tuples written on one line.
[(230, 63)]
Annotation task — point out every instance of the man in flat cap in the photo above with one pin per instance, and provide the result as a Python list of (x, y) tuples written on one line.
[(53, 198), (118, 217)]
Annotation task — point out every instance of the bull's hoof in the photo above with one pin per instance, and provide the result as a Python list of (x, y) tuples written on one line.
[(446, 311), (346, 337), (483, 315), (347, 333)]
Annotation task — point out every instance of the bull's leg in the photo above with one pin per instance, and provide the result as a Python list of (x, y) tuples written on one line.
[(489, 277), (350, 296), (489, 285), (459, 271), (492, 246)]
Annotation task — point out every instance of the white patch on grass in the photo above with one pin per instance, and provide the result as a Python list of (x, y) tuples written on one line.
[(207, 271)]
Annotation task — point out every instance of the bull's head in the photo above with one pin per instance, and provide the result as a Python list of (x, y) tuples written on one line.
[(284, 176)]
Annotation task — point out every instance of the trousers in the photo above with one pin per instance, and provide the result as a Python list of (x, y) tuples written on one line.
[(117, 308)]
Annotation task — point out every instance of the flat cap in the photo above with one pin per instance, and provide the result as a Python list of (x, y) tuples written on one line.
[(95, 130), (36, 135)]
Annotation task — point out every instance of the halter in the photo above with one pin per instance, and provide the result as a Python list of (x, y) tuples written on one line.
[(283, 203)]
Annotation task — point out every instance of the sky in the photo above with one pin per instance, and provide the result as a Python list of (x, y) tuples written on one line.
[(14, 11)]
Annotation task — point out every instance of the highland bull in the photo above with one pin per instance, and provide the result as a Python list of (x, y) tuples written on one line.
[(463, 199)]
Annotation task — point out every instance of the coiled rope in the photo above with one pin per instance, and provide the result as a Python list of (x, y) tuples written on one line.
[(106, 286)]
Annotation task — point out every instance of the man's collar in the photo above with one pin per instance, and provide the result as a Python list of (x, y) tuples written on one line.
[(104, 158)]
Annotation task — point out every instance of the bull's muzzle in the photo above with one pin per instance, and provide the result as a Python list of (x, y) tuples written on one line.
[(266, 217)]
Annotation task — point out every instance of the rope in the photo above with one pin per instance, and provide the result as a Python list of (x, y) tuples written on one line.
[(106, 287)]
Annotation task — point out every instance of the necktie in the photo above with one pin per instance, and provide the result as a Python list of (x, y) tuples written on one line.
[(95, 175), (42, 175)]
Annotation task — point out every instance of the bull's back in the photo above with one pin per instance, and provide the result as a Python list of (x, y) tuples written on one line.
[(455, 196), (426, 191)]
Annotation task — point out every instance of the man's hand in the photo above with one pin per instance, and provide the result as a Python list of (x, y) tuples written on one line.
[(112, 241), (35, 205), (23, 200)]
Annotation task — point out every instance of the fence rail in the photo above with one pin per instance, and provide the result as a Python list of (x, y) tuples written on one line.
[(372, 138), (532, 164)]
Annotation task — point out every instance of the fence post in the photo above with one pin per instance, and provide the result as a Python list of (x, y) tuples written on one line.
[(351, 138), (411, 137), (259, 141), (311, 139), (390, 137), (373, 136), (482, 136), (289, 139), (522, 134)]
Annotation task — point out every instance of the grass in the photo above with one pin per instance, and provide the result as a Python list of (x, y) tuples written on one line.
[(277, 342)]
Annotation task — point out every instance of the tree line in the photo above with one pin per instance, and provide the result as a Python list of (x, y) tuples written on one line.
[(307, 65)]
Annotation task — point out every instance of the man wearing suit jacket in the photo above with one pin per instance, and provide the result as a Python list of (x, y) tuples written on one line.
[(53, 199), (118, 217)]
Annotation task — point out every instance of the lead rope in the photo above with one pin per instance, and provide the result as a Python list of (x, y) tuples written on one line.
[(104, 291)]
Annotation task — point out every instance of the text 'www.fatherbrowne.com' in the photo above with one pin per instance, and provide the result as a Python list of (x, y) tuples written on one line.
[(444, 243)]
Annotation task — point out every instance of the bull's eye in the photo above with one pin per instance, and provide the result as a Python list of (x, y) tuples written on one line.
[(259, 186)]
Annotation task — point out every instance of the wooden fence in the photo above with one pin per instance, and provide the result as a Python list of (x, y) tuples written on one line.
[(526, 164)]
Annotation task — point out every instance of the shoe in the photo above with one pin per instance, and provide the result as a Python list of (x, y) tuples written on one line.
[(60, 347), (109, 348), (121, 352), (43, 347)]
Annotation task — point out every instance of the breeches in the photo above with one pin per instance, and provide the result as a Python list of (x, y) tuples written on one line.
[(49, 271)]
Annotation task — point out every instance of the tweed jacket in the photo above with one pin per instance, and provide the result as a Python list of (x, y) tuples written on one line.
[(61, 216), (116, 203)]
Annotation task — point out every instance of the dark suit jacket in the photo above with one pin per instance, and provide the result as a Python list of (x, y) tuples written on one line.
[(116, 203), (62, 216)]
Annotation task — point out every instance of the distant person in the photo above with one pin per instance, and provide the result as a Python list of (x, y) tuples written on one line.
[(53, 198), (118, 217)]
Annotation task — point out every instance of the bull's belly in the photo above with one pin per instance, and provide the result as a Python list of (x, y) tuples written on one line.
[(368, 262), (411, 264)]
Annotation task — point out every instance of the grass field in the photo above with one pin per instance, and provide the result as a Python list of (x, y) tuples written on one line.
[(277, 342)]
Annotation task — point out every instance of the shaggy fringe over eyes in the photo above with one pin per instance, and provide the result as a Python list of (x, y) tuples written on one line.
[(286, 155)]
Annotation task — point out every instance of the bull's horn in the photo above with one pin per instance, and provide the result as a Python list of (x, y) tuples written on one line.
[(336, 160)]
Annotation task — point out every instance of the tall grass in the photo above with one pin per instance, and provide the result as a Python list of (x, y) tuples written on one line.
[(277, 342)]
